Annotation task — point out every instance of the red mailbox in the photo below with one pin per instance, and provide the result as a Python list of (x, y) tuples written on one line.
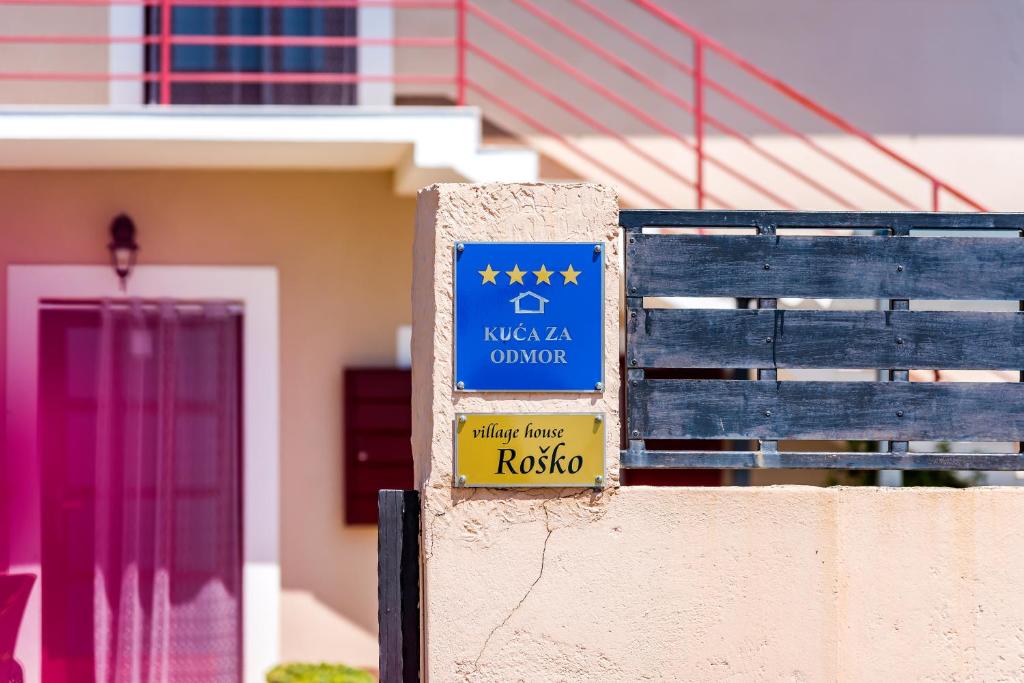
[(377, 426)]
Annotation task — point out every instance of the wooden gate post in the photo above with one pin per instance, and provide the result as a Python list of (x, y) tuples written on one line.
[(398, 585)]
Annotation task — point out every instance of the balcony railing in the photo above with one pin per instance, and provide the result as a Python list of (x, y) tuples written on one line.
[(476, 58)]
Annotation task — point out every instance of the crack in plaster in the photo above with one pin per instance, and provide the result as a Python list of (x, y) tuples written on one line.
[(540, 574)]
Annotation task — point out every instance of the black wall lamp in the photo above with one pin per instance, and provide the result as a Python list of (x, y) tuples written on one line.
[(123, 247)]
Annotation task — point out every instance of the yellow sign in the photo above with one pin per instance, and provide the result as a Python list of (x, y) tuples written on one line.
[(529, 450)]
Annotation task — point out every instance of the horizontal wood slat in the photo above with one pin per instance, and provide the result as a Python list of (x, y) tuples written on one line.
[(834, 267), (815, 460), (723, 409), (692, 338), (890, 220)]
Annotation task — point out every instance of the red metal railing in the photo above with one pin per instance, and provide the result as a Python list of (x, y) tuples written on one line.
[(165, 40), (937, 186), (462, 84)]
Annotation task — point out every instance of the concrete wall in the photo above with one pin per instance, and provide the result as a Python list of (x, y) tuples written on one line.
[(925, 67), (937, 80), (771, 584), (26, 20), (342, 245), (985, 167), (777, 583)]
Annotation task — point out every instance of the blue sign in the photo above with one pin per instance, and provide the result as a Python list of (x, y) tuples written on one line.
[(529, 316)]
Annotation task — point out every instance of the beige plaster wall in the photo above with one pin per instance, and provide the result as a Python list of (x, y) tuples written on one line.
[(49, 20), (752, 584), (912, 67), (890, 68), (984, 167), (342, 245), (638, 583)]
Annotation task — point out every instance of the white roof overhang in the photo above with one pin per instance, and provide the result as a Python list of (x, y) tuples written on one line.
[(422, 145)]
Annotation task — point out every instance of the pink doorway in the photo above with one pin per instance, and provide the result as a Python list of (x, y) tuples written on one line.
[(141, 493)]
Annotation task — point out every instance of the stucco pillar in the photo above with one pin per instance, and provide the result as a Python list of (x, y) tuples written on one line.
[(447, 214), (451, 213)]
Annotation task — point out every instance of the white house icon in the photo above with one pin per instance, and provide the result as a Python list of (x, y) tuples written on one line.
[(537, 306)]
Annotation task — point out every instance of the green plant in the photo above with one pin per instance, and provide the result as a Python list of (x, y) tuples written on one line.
[(317, 673)]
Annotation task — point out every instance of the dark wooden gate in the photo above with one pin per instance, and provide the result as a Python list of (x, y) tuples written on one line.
[(892, 257)]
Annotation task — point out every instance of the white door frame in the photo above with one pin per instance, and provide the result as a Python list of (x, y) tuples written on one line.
[(255, 288)]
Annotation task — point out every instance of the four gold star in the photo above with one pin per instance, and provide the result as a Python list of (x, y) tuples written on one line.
[(515, 275), (489, 275), (543, 275)]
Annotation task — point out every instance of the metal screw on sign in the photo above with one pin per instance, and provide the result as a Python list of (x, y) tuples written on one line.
[(632, 290), (636, 432), (462, 480), (597, 248), (598, 419), (633, 362), (632, 240), (460, 385), (899, 413), (899, 340), (767, 413), (767, 266), (899, 269), (598, 480), (460, 246), (767, 340), (462, 419), (599, 386)]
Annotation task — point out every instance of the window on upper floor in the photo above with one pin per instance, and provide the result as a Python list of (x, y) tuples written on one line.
[(255, 55)]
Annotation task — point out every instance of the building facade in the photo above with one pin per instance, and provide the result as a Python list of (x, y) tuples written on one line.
[(269, 154)]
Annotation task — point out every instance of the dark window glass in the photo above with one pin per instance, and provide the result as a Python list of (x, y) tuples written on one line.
[(250, 59)]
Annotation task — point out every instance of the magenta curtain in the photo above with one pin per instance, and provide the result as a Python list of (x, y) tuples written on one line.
[(164, 590)]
